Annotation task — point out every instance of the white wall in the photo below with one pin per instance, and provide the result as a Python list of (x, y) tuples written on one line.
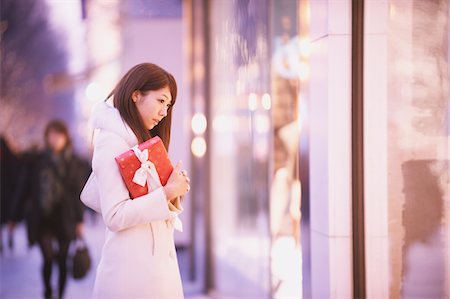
[(405, 247), (375, 143), (330, 149)]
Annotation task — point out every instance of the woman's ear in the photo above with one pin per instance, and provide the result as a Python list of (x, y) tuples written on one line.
[(135, 96)]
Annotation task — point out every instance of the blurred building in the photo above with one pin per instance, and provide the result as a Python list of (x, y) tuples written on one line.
[(316, 134)]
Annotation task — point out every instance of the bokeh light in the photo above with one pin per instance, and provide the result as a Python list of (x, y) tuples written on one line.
[(198, 147), (198, 123)]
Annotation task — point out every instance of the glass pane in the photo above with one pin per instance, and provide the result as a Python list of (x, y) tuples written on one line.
[(285, 186), (240, 147)]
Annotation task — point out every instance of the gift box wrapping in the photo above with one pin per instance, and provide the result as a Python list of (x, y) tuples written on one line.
[(129, 163)]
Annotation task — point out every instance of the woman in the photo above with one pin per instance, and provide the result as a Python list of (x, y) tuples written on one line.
[(53, 212), (138, 258)]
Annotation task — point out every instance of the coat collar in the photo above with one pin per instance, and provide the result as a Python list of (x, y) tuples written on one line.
[(106, 117)]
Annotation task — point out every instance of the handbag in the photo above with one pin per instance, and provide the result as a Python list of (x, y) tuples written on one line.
[(81, 259)]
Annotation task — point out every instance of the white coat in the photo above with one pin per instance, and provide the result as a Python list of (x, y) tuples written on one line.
[(138, 259)]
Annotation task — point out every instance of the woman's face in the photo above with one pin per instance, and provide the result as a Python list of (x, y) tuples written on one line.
[(153, 106), (56, 140)]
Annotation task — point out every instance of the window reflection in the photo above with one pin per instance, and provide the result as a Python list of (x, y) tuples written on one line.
[(285, 193), (239, 147)]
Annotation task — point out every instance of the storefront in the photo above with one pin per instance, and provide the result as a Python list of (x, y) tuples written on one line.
[(325, 162)]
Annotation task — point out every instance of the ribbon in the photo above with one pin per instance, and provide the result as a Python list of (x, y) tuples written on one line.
[(147, 173), (175, 210), (176, 221)]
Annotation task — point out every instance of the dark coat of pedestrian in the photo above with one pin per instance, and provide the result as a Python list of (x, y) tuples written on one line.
[(49, 198), (9, 170)]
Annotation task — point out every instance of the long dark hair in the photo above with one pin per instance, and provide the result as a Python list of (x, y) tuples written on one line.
[(143, 78), (60, 127)]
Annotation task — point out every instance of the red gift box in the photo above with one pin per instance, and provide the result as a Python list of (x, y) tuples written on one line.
[(129, 163)]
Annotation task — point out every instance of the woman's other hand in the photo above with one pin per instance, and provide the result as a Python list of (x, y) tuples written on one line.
[(178, 183), (79, 230)]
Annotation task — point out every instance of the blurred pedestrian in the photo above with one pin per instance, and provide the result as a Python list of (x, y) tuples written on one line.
[(26, 164), (9, 166), (138, 259), (50, 189)]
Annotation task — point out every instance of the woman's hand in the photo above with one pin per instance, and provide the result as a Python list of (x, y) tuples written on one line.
[(11, 226), (178, 183), (79, 229)]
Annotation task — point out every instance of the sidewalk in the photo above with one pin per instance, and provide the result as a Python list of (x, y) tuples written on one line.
[(20, 269)]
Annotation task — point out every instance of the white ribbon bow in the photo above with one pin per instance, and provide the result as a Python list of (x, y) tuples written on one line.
[(176, 221), (147, 173)]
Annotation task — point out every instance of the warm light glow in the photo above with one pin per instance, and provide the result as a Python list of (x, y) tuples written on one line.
[(198, 123), (307, 13), (252, 101), (286, 267), (392, 10), (198, 147), (266, 101)]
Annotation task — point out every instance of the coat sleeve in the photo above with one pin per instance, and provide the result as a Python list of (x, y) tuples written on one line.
[(118, 210), (81, 170)]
